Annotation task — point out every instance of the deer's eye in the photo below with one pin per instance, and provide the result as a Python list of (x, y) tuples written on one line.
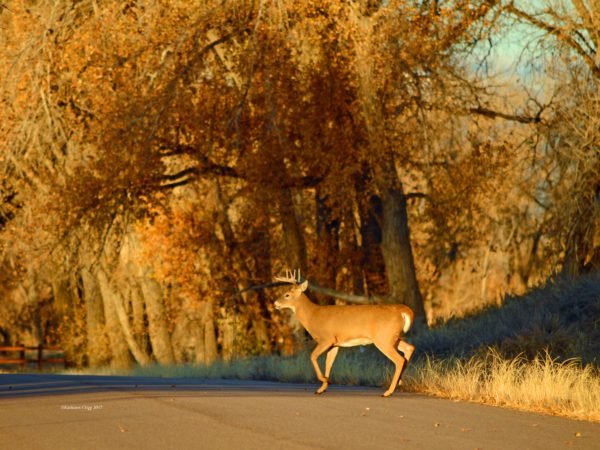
[(287, 295)]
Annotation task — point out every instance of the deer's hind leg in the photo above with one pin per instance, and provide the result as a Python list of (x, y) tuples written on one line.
[(389, 350), (407, 350)]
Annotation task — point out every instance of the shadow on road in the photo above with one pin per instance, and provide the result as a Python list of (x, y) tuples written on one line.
[(28, 385)]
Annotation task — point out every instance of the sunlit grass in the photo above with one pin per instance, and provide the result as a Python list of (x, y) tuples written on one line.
[(542, 384)]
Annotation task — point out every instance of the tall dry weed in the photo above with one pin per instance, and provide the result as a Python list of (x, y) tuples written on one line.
[(543, 384)]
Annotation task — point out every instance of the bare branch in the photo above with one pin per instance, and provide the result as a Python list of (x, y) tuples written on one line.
[(359, 299), (259, 287), (181, 174), (351, 298), (177, 183), (500, 115), (413, 195), (561, 34), (207, 166)]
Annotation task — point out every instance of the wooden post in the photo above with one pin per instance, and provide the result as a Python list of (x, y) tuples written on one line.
[(40, 351), (22, 357)]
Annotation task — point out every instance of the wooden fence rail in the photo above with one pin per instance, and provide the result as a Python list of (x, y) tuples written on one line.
[(23, 361)]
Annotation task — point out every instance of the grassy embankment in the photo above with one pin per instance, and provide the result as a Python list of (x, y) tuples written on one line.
[(538, 352)]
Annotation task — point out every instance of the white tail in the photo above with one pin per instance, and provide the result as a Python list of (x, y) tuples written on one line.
[(407, 322), (347, 326)]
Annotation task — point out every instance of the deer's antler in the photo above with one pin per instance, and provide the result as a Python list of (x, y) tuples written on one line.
[(291, 276)]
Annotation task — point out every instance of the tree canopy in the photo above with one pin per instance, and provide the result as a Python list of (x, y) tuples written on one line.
[(158, 158)]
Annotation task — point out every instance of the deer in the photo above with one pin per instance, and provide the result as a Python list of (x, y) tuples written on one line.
[(335, 326)]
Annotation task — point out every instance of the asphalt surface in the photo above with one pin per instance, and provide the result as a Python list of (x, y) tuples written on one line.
[(97, 412)]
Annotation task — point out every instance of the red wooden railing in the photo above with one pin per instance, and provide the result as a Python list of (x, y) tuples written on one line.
[(23, 361)]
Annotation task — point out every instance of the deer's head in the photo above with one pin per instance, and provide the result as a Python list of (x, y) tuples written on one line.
[(292, 296)]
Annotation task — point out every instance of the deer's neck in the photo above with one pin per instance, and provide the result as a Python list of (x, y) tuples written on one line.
[(305, 310)]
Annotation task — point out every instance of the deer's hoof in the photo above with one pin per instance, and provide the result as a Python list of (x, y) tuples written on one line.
[(321, 390)]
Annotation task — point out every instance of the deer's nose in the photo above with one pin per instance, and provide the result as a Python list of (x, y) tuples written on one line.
[(277, 305)]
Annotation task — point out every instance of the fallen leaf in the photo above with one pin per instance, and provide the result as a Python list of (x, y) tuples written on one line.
[(578, 434)]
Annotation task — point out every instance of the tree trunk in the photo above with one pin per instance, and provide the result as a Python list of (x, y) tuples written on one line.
[(259, 326), (325, 259), (117, 328), (227, 333), (66, 319), (157, 327), (138, 313), (251, 302), (371, 248), (295, 246), (98, 353), (152, 293), (262, 271), (119, 351), (187, 339), (397, 253), (210, 340), (395, 240), (583, 242), (194, 335)]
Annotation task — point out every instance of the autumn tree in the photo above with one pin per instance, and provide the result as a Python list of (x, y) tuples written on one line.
[(568, 149), (159, 159)]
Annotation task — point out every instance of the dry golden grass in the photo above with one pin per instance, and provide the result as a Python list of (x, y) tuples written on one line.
[(542, 384)]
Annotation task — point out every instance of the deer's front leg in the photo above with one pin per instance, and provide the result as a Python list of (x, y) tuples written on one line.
[(318, 351), (330, 358)]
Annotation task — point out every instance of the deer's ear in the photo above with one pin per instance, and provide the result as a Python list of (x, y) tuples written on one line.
[(304, 285)]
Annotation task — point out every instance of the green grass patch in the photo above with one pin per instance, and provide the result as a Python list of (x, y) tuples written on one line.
[(352, 367)]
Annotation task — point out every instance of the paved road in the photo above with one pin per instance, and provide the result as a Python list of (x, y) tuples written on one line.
[(94, 412)]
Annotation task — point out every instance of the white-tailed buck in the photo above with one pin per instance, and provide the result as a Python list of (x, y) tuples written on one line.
[(349, 325)]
